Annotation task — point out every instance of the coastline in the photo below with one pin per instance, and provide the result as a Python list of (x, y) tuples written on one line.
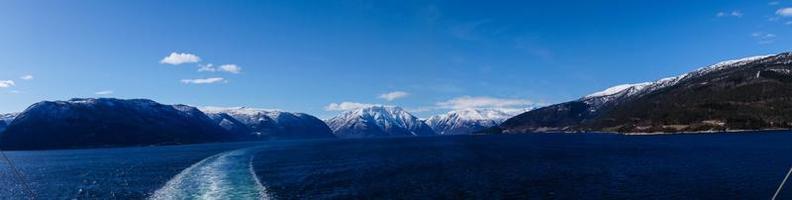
[(728, 131), (705, 132)]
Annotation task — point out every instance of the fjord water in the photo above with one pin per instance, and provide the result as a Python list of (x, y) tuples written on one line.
[(568, 166)]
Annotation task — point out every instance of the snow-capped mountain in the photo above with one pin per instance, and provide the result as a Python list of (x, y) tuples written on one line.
[(271, 124), (749, 93), (89, 122), (5, 120), (624, 91), (378, 121), (466, 121)]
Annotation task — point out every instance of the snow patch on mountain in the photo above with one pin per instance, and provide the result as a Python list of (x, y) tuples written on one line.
[(732, 63), (245, 114), (5, 120), (619, 88), (238, 110), (8, 117)]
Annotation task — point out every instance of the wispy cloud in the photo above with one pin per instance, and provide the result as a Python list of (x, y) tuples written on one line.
[(734, 13), (104, 92), (764, 38), (484, 102), (390, 96), (203, 80), (230, 68), (784, 12), (180, 58), (206, 68), (345, 106), (420, 109), (773, 3), (26, 77), (6, 83)]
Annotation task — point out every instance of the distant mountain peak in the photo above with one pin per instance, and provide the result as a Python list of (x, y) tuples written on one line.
[(379, 109), (467, 120), (378, 121), (479, 113), (269, 123)]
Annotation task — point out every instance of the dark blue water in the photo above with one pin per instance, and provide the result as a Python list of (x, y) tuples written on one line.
[(120, 173), (580, 166)]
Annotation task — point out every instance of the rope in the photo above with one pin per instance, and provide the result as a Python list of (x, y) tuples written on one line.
[(782, 184), (20, 178)]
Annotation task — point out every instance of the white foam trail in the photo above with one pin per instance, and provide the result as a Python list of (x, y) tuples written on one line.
[(262, 190), (222, 176)]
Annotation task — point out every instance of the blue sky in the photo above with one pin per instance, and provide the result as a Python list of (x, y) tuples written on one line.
[(312, 56)]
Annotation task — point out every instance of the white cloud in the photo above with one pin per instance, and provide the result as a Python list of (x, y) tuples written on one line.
[(734, 13), (230, 68), (419, 109), (484, 102), (345, 106), (180, 58), (203, 80), (390, 96), (6, 83), (26, 77), (773, 3), (104, 92), (785, 12), (206, 68), (516, 111), (764, 38)]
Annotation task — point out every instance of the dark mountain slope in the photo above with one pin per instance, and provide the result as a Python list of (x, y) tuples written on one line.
[(558, 117), (752, 93), (80, 123), (755, 96), (269, 124)]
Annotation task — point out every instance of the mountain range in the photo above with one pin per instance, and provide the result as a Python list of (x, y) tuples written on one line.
[(270, 124), (378, 121), (108, 122), (752, 93), (466, 121)]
